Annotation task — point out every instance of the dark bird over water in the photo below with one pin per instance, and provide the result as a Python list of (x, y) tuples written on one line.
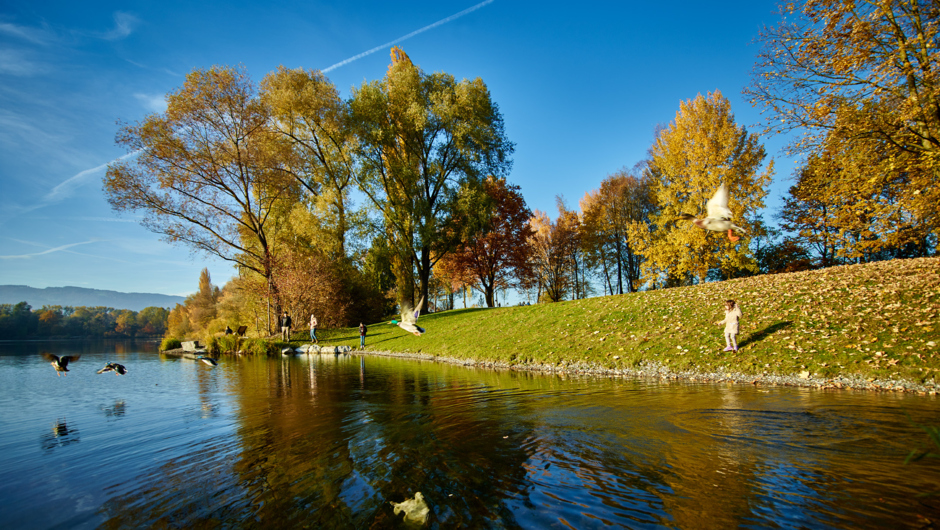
[(208, 360), (60, 363), (118, 369)]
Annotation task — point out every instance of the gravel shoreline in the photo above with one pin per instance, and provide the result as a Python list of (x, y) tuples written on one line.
[(653, 370)]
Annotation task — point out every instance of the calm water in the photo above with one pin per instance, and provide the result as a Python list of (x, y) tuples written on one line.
[(326, 442)]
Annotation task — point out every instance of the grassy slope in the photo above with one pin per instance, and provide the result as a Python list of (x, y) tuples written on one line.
[(877, 320)]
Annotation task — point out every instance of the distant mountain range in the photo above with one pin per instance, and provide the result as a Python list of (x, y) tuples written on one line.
[(80, 296)]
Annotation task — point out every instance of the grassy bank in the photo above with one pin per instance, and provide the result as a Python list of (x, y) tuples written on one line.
[(875, 321)]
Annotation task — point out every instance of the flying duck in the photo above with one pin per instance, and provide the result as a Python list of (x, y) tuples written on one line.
[(717, 216), (60, 363), (118, 369), (409, 318)]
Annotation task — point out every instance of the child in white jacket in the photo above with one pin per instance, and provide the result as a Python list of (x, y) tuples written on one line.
[(732, 316)]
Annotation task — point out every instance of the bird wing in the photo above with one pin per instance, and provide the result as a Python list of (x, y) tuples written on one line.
[(107, 368), (417, 312), (66, 359), (717, 206), (409, 314), (49, 357)]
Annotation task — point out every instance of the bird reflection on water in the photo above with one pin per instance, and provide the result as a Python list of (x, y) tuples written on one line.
[(60, 436), (115, 410)]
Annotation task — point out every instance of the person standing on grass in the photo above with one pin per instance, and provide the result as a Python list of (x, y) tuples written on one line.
[(285, 326), (362, 335), (732, 316), (313, 329)]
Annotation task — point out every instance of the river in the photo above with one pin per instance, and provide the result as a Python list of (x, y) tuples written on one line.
[(328, 441)]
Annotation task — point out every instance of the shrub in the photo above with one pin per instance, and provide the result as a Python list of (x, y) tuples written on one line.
[(222, 343), (257, 346), (170, 344)]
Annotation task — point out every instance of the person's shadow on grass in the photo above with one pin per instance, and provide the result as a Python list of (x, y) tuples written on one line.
[(764, 333)]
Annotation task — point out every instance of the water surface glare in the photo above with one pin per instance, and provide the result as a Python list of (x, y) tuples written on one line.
[(327, 441)]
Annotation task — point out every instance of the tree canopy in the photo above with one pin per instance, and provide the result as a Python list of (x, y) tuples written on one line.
[(426, 142), (700, 150)]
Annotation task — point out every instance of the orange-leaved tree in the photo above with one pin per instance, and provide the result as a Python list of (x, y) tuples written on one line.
[(498, 258)]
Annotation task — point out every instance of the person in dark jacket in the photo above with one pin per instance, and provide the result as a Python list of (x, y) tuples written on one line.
[(285, 326), (362, 335)]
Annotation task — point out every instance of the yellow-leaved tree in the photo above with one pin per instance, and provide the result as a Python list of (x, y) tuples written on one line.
[(700, 150)]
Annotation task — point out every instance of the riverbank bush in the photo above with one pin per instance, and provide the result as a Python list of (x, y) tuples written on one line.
[(876, 320), (170, 344)]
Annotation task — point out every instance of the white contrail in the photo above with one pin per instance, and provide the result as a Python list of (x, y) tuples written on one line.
[(49, 251), (408, 36), (65, 188)]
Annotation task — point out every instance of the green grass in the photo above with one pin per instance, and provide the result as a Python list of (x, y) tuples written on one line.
[(877, 320)]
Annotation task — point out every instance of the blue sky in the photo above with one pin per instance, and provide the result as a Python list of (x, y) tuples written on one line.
[(581, 86)]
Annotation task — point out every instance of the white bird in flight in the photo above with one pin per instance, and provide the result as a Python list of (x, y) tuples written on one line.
[(717, 215), (409, 318)]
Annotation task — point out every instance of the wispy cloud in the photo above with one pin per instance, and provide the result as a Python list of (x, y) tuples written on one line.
[(124, 24), (152, 102), (408, 36), (33, 35), (16, 62), (50, 250)]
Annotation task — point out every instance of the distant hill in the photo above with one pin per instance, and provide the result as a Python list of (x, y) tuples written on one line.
[(80, 296)]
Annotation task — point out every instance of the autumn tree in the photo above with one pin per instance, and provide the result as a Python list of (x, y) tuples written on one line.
[(624, 198), (499, 257), (551, 246), (847, 206), (308, 111), (568, 228), (202, 305), (868, 67), (700, 150), (424, 139), (206, 173), (863, 76)]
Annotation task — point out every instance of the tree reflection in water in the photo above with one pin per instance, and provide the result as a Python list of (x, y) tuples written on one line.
[(327, 441)]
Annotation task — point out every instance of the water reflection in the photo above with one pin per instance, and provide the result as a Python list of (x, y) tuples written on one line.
[(114, 411), (322, 441), (60, 436)]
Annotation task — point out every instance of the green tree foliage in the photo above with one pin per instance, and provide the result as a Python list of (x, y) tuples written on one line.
[(700, 150), (424, 139), (206, 173), (18, 321)]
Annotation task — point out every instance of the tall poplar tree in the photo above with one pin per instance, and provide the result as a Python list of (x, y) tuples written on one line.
[(424, 140), (700, 150)]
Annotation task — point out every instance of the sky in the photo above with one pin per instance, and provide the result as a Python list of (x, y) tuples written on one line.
[(581, 87)]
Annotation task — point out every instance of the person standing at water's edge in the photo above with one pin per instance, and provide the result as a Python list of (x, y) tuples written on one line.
[(285, 326), (732, 316), (313, 329), (362, 335)]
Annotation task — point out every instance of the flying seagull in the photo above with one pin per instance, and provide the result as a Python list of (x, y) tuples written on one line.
[(717, 216), (409, 318), (60, 363), (118, 369)]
